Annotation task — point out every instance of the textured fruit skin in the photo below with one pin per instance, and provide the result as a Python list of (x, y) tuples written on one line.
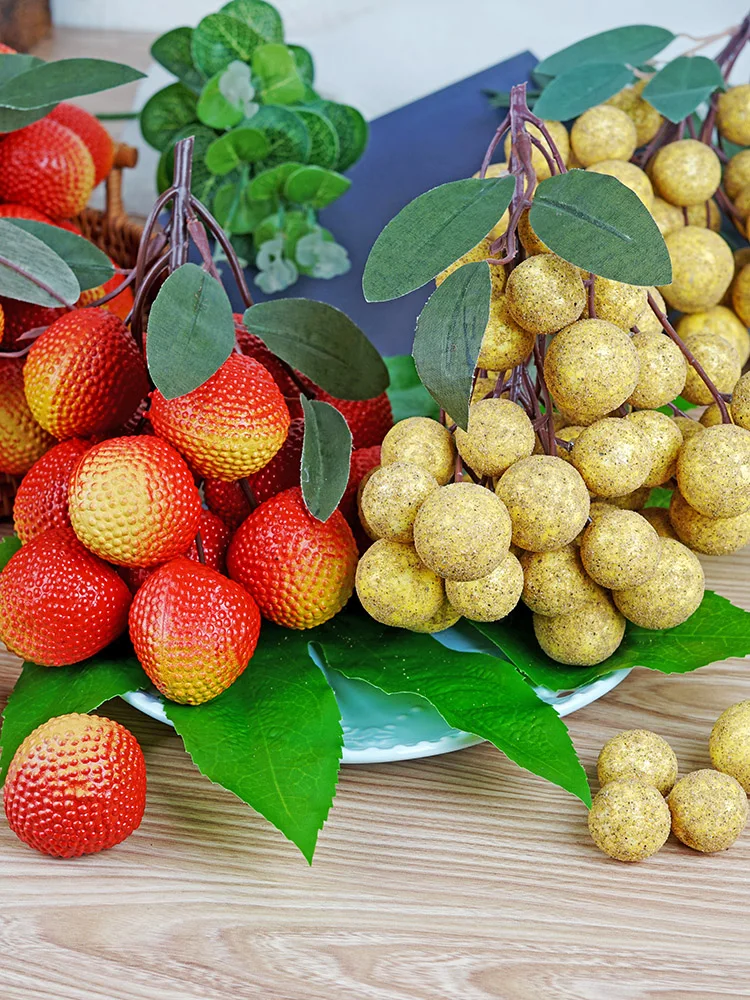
[(23, 316), (133, 501), (252, 346), (59, 604), (42, 498), (84, 375), (369, 420), (48, 167), (227, 501), (193, 630), (22, 440), (92, 133), (120, 305), (300, 571), (24, 212), (363, 459), (229, 427), (76, 785)]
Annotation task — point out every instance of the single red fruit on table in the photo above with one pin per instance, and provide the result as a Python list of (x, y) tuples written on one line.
[(59, 604), (48, 167), (22, 440), (84, 375), (193, 631), (90, 130), (41, 500), (76, 785), (299, 570), (133, 501), (20, 317), (369, 420)]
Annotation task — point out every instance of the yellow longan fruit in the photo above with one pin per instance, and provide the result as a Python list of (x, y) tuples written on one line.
[(667, 217), (638, 755), (480, 252), (733, 114), (360, 490), (582, 637), (505, 344), (568, 433), (629, 820), (737, 173), (658, 518), (631, 501), (645, 117), (421, 441), (495, 170), (713, 536), (490, 597), (713, 471), (547, 501), (719, 360), (499, 433), (618, 303), (702, 268), (647, 321), (620, 549), (685, 172), (664, 439), (709, 810), (688, 427), (545, 293), (729, 743), (591, 368), (740, 405), (720, 321), (706, 214), (529, 239), (462, 531), (559, 135), (445, 617), (663, 371), (671, 595), (630, 175), (603, 133), (395, 587), (555, 582), (484, 385), (393, 496), (712, 415), (741, 294), (613, 456)]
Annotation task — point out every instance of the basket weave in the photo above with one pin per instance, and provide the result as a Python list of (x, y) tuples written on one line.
[(114, 233)]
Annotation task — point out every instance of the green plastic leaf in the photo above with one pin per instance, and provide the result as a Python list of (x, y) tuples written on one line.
[(600, 225), (280, 82), (190, 331), (219, 39), (305, 63), (269, 184), (230, 151), (449, 335), (326, 455), (262, 17), (286, 133), (27, 264), (166, 113), (273, 738), (324, 140), (8, 548), (315, 186), (580, 88), (41, 693), (432, 232), (321, 342), (633, 44), (50, 83), (91, 266), (408, 396), (173, 51), (474, 692), (659, 497), (352, 130), (214, 110), (684, 84), (12, 65), (235, 213)]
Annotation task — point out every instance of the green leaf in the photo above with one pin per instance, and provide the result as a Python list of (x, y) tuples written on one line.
[(50, 83), (684, 84), (8, 548), (269, 184), (633, 44), (220, 39), (315, 186), (42, 693), (275, 66), (580, 88), (12, 65), (273, 738), (241, 145), (264, 19), (91, 266), (326, 456), (286, 133), (475, 692), (324, 140), (600, 225), (214, 110), (321, 342), (352, 130), (25, 261), (432, 232), (190, 331), (173, 51), (167, 113), (659, 497), (305, 63), (449, 334), (235, 213), (408, 396)]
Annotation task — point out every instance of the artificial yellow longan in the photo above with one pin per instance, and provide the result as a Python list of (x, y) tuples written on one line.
[(702, 268), (658, 518), (645, 117), (421, 441), (618, 303), (740, 405), (667, 217), (631, 501), (629, 820), (664, 439), (647, 321), (688, 427), (663, 371), (713, 471), (686, 172), (445, 617), (719, 360), (737, 173), (360, 490), (741, 294), (709, 810), (559, 135), (545, 293), (490, 597), (392, 497), (620, 549), (555, 582), (712, 415), (505, 343), (613, 456), (582, 637), (707, 214), (721, 322), (671, 595), (729, 743), (568, 433), (395, 587), (630, 175), (547, 501), (499, 434), (485, 385), (712, 536), (733, 114), (638, 755), (480, 252), (529, 239), (603, 133)]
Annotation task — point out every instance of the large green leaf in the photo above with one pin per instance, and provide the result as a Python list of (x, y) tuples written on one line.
[(273, 738), (91, 266), (632, 44), (351, 128), (275, 66), (166, 113), (50, 83), (321, 342), (580, 88), (595, 222), (220, 39), (235, 213), (475, 692), (12, 65), (230, 151), (262, 17), (326, 455), (8, 548), (324, 140), (31, 272), (315, 186), (683, 85), (432, 232), (190, 331), (173, 51), (448, 337), (408, 396), (286, 133), (42, 693), (269, 184)]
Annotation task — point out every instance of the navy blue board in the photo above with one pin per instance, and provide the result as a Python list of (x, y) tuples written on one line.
[(439, 138)]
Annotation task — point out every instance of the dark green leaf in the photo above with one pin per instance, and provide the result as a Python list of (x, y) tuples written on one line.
[(580, 88), (432, 232), (167, 113), (275, 67), (25, 262), (242, 145), (10, 66), (448, 337), (324, 140), (258, 15), (269, 184), (633, 44), (408, 396), (91, 266), (286, 133), (173, 51), (305, 64), (322, 343), (220, 39), (8, 548), (326, 454), (214, 110), (600, 225), (351, 129), (235, 213), (273, 738), (475, 692), (190, 331), (50, 83), (41, 693), (659, 497), (315, 186), (14, 64), (684, 84)]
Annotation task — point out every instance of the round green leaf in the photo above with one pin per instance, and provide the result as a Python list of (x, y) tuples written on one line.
[(326, 455), (633, 44), (235, 213), (242, 145), (269, 184), (682, 86), (214, 110), (324, 140), (91, 266), (305, 64), (286, 133), (221, 38), (264, 19), (351, 129), (580, 88), (166, 113), (173, 51), (315, 186), (275, 67)]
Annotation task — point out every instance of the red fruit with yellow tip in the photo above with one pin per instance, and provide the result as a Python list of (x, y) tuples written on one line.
[(20, 317), (11, 211), (193, 631), (42, 498), (76, 785), (251, 345), (59, 603), (93, 134), (22, 440), (299, 570), (84, 375)]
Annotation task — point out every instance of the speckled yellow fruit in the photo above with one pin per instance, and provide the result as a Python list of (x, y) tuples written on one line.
[(658, 518), (618, 303), (505, 343), (671, 595), (712, 415), (729, 743), (719, 360), (688, 427), (421, 441), (662, 373), (485, 384), (529, 239), (664, 439), (629, 175), (445, 617), (392, 497), (741, 294), (462, 531), (630, 501), (480, 252), (667, 217), (638, 755), (740, 405), (547, 501), (686, 172), (702, 268), (712, 536), (582, 637), (555, 583), (490, 597), (648, 321), (613, 456), (737, 173), (707, 215), (559, 135), (545, 293), (713, 471), (721, 322), (620, 549), (395, 587), (499, 434), (629, 820), (733, 114), (603, 133), (360, 490), (709, 810), (646, 118)]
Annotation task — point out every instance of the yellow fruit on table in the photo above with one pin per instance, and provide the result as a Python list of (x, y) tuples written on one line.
[(662, 373), (658, 518), (733, 114), (709, 810), (638, 755), (547, 501), (646, 118), (713, 536), (421, 441), (395, 587), (545, 293), (671, 595), (603, 133), (583, 637), (737, 173), (685, 172), (499, 433), (559, 135), (629, 820), (729, 744), (719, 360), (628, 174), (720, 321), (618, 303), (702, 268)]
